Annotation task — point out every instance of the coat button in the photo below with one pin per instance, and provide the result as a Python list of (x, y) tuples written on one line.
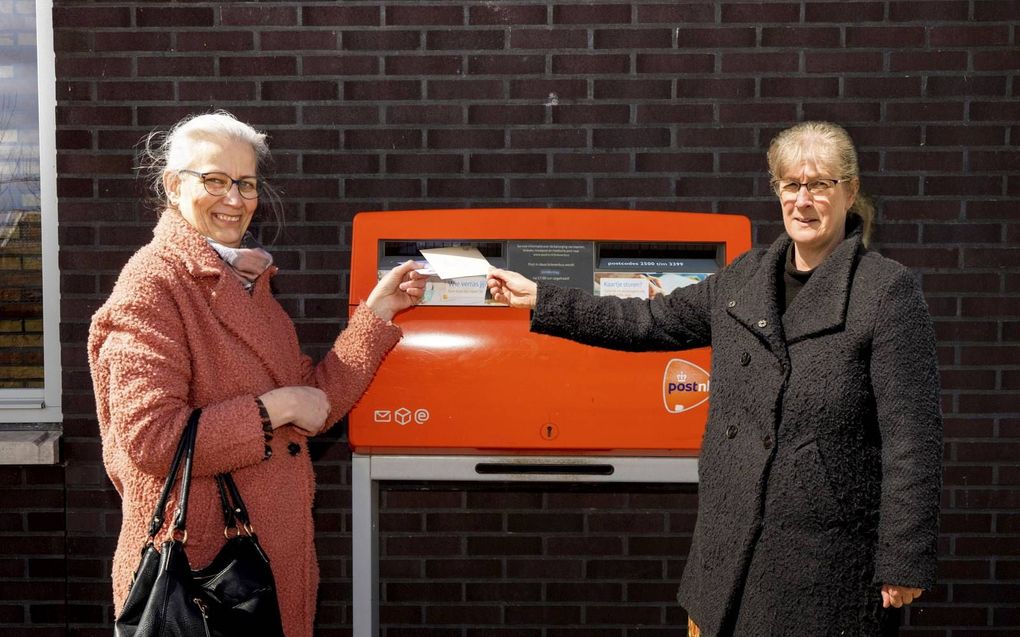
[(731, 304), (731, 432), (762, 323), (269, 452), (294, 448), (745, 359), (767, 442)]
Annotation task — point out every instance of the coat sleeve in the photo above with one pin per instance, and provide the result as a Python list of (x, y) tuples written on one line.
[(141, 367), (679, 320), (904, 376), (348, 368)]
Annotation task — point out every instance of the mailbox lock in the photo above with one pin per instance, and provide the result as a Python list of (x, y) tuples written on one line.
[(549, 431)]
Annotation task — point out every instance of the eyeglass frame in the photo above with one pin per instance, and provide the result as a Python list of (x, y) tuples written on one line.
[(835, 182), (233, 182)]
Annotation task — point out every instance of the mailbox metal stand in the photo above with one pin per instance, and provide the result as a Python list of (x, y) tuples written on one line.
[(370, 470)]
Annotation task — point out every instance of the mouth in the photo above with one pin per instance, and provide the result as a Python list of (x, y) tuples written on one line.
[(225, 218), (805, 221)]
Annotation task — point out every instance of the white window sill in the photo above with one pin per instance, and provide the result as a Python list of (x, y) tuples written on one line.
[(29, 447)]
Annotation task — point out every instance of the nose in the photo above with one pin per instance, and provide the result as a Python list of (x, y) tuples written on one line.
[(233, 195), (804, 196)]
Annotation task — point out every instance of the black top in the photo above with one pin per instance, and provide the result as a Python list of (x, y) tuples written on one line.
[(793, 280)]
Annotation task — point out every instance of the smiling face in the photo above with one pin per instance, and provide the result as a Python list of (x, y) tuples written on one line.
[(815, 221), (223, 218)]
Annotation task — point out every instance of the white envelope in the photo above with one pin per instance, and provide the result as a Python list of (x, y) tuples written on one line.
[(456, 261)]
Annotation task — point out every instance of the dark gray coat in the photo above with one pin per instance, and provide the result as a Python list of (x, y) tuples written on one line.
[(820, 468)]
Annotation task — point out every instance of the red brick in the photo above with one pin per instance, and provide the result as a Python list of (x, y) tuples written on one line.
[(761, 13), (449, 187), (421, 114), (258, 66), (549, 91), (727, 88), (992, 111), (632, 89), (928, 61), (672, 63), (925, 111), (843, 12), (424, 15), (673, 113), (676, 12), (716, 37), (259, 15), (547, 188), (341, 16), (968, 36), (132, 40), (996, 10), (303, 40), (340, 65), (505, 115), (557, 39), (841, 111), (808, 87), (954, 135), (507, 65), (415, 164), (495, 14), (633, 39), (464, 89), (464, 40), (595, 63), (507, 163), (382, 90), (376, 40), (382, 188), (841, 61), (886, 37), (929, 11), (179, 17), (811, 36), (548, 138), (465, 138), (83, 17), (630, 138), (333, 115), (214, 91), (591, 114)]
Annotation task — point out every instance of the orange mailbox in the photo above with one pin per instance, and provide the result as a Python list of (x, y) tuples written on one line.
[(470, 378)]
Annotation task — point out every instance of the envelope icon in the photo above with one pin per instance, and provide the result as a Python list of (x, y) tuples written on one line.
[(383, 415)]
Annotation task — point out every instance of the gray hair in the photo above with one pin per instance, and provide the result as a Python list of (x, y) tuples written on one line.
[(829, 144), (172, 150)]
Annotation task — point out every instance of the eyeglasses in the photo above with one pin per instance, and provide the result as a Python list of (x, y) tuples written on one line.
[(219, 184), (815, 186)]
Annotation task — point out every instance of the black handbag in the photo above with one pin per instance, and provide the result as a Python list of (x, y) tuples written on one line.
[(234, 595)]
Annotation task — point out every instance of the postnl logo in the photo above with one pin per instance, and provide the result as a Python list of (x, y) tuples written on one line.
[(684, 386)]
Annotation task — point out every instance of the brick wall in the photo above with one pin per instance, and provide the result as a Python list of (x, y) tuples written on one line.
[(452, 103)]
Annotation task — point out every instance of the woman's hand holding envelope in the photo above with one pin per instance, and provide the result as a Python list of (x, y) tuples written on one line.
[(512, 288)]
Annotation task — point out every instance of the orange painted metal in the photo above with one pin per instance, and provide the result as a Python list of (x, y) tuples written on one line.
[(476, 380)]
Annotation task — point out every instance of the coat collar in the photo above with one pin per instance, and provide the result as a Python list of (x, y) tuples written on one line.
[(239, 312), (820, 307)]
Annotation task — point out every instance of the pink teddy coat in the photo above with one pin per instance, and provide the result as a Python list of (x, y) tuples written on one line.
[(179, 332)]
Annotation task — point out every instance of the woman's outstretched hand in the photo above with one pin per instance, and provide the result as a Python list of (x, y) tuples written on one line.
[(512, 288), (398, 290)]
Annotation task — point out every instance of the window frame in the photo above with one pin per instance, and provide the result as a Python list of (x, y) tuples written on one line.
[(39, 406)]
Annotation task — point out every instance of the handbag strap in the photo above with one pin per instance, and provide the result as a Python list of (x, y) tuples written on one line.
[(180, 515), (159, 514), (235, 514)]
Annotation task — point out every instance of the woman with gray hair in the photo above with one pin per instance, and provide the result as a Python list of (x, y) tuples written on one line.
[(192, 323), (820, 467)]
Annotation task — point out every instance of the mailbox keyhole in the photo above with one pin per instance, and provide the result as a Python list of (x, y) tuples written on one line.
[(549, 431)]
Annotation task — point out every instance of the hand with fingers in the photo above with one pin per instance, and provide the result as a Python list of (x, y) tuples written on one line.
[(516, 290), (898, 596)]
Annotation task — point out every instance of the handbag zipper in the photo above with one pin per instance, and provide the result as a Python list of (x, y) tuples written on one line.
[(205, 617)]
